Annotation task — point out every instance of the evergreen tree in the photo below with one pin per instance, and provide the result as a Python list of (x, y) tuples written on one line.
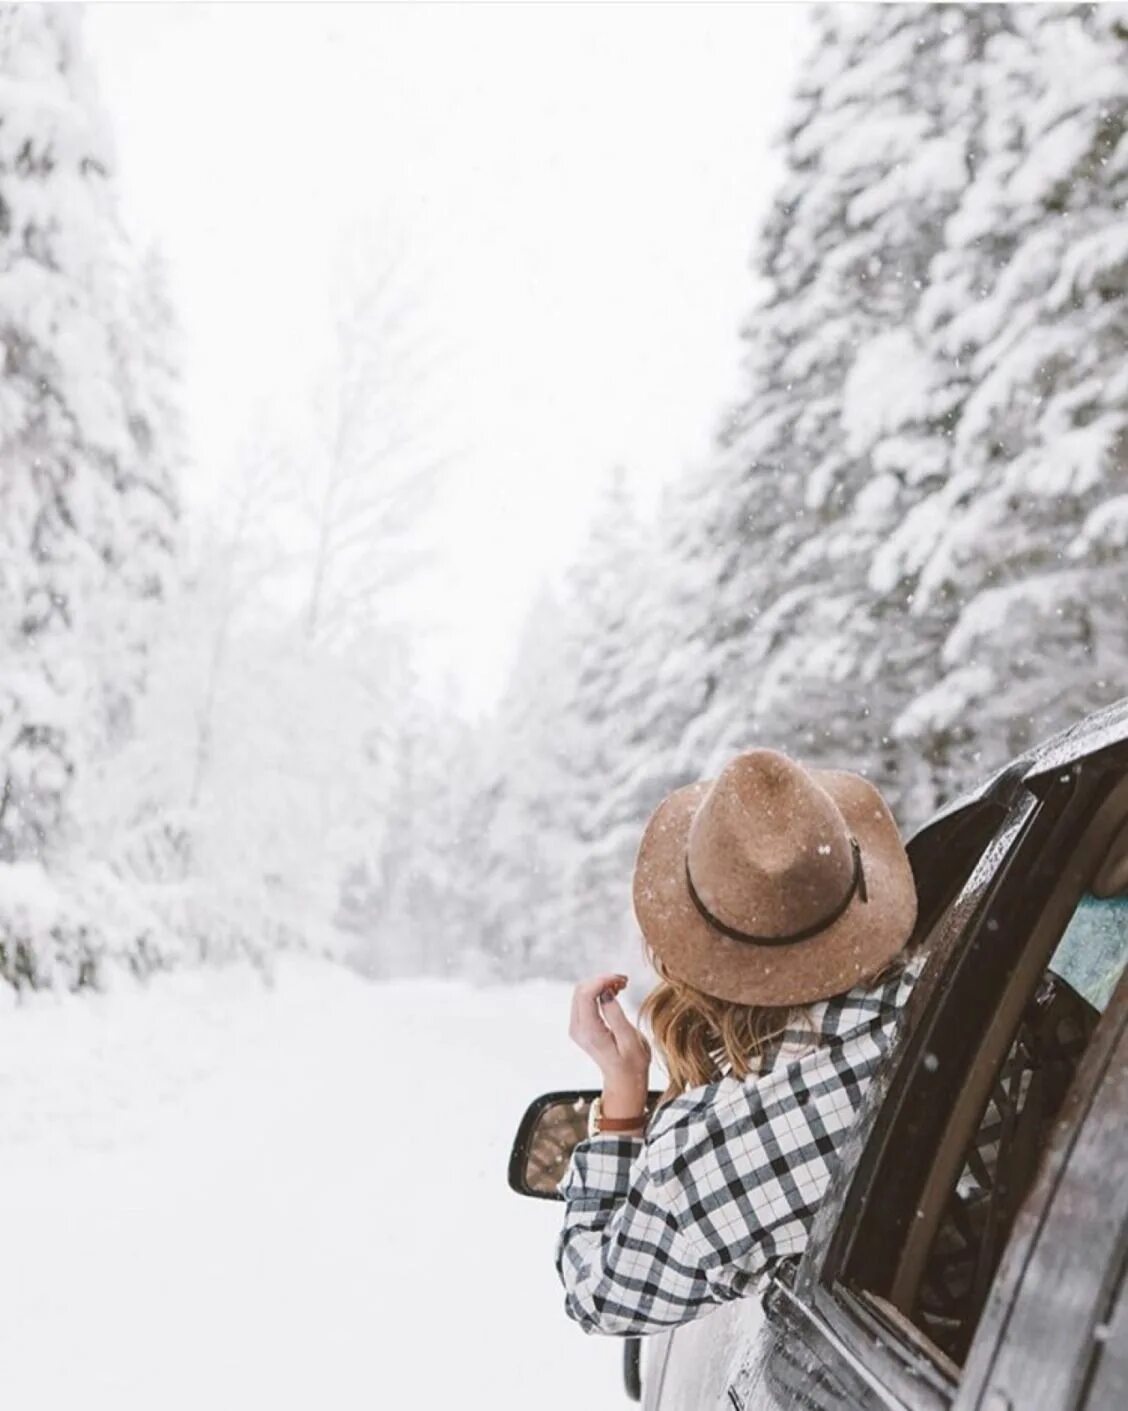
[(583, 746), (875, 157), (526, 768), (1013, 556), (414, 901), (914, 516), (87, 501), (616, 713)]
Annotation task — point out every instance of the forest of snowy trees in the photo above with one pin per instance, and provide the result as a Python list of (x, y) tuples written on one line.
[(907, 552), (197, 722)]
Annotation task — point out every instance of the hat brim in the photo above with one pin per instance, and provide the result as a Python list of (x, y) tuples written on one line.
[(855, 947)]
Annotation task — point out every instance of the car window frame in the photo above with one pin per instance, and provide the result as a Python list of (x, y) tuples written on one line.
[(1046, 912), (1077, 1159), (906, 1367), (801, 1294), (912, 1367)]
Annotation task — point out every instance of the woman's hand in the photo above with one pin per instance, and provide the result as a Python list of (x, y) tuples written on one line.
[(599, 1026)]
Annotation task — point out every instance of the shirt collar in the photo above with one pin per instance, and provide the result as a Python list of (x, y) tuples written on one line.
[(832, 1020)]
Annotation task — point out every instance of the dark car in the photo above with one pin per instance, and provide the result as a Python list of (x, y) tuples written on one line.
[(971, 1249)]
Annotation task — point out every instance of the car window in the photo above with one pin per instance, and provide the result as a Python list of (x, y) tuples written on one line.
[(1000, 1163), (1090, 955), (991, 1075), (1016, 1122)]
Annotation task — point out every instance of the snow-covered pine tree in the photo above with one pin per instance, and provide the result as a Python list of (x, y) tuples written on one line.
[(752, 568), (1014, 551), (87, 503), (587, 739), (875, 166), (415, 901), (525, 768), (713, 564), (613, 720), (141, 601), (931, 441), (877, 157)]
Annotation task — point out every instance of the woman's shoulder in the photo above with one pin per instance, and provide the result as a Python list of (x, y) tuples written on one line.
[(679, 1124), (853, 1027), (879, 1000), (695, 1122), (682, 1112)]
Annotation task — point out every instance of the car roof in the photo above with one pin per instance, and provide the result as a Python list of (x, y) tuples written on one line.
[(1100, 731), (1097, 732)]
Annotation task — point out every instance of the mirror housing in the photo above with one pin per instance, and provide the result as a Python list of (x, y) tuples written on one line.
[(552, 1126)]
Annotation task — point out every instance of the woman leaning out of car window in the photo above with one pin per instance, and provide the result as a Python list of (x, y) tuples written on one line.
[(775, 904)]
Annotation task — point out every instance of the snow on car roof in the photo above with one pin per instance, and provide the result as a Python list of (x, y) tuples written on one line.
[(1096, 732), (1087, 737)]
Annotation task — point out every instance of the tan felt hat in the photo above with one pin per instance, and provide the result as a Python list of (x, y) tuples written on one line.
[(774, 884)]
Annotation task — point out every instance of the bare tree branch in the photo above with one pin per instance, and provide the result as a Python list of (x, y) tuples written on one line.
[(374, 474)]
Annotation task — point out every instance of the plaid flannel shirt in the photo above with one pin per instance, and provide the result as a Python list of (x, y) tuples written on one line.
[(725, 1183)]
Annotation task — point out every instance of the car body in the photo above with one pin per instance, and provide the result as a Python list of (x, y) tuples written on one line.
[(931, 1280)]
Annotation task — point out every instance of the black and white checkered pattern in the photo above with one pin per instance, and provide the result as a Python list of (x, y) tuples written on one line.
[(726, 1182)]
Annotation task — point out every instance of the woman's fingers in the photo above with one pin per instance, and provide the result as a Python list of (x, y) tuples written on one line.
[(593, 988), (615, 985), (621, 1027), (585, 997), (632, 1048), (601, 1028), (588, 1027)]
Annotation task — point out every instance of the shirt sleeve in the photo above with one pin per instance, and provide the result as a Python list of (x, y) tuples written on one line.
[(627, 1265)]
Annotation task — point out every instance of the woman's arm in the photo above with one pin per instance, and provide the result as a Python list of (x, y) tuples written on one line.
[(627, 1266)]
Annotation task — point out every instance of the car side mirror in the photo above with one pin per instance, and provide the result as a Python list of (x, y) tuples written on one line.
[(552, 1126)]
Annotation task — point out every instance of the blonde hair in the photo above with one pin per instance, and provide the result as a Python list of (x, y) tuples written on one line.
[(701, 1038)]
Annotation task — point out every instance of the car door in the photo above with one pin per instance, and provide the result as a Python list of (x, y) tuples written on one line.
[(1049, 1335), (862, 1321), (693, 1366)]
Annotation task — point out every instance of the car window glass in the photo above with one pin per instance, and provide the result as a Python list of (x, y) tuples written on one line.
[(1091, 953), (1016, 1122), (938, 1279), (1000, 1163)]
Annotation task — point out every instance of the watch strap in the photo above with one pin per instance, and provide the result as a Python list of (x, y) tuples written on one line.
[(598, 1122), (620, 1124)]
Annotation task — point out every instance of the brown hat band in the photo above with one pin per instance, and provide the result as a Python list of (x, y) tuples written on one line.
[(857, 887)]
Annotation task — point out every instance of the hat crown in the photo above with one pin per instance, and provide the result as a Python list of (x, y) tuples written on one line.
[(769, 851)]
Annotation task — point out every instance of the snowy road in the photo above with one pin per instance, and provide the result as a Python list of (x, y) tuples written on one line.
[(226, 1197)]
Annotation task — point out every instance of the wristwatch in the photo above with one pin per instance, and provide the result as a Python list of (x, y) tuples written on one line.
[(598, 1123)]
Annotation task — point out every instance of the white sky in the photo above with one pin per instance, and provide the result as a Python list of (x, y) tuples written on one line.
[(578, 187)]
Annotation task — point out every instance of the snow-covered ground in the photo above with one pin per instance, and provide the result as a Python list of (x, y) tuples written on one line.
[(219, 1195)]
